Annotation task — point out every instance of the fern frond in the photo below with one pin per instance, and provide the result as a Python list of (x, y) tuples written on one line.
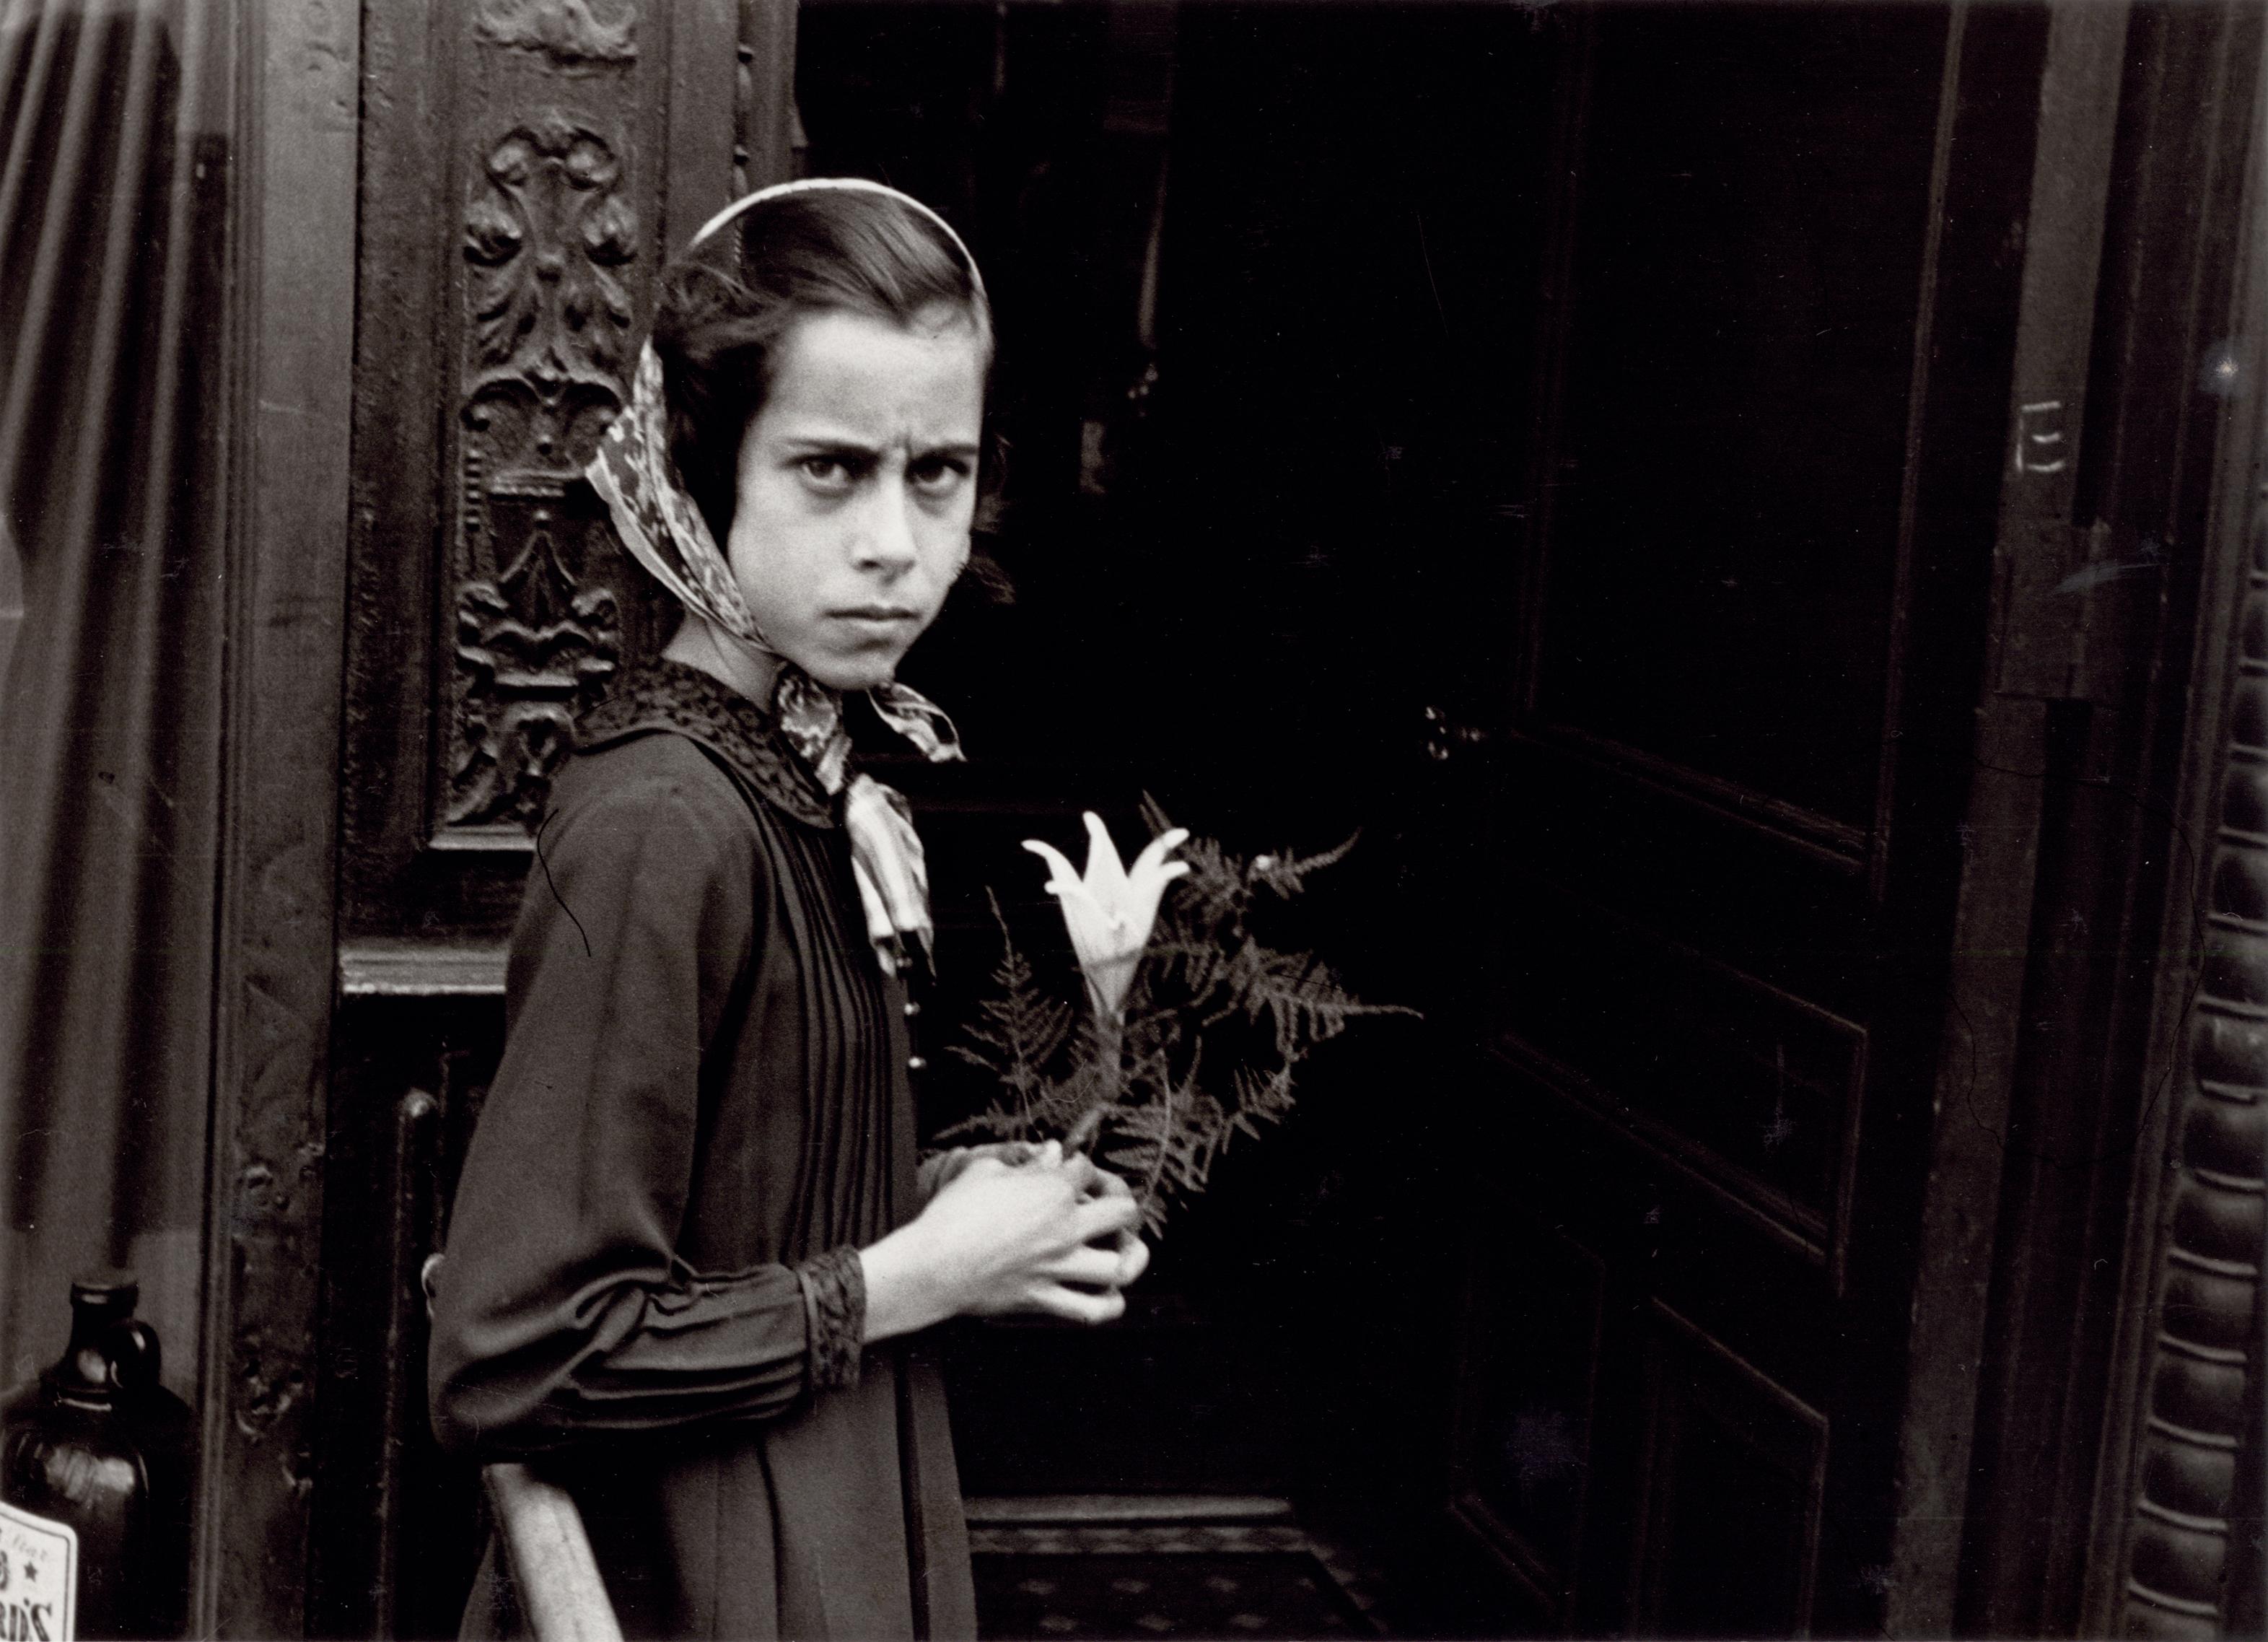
[(1287, 874), (1207, 988), (1020, 1031), (994, 1122)]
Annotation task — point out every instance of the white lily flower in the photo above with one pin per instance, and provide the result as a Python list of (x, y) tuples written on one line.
[(1110, 912)]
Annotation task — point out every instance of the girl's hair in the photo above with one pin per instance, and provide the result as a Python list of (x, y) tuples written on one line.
[(726, 307)]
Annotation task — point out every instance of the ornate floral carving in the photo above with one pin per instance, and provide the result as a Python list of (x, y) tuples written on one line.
[(548, 316), (547, 235), (535, 645), (570, 32)]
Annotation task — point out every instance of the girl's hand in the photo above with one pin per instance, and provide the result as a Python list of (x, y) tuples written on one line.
[(1051, 1235), (941, 1167), (1096, 1181)]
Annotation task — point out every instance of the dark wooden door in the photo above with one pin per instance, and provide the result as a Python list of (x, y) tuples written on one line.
[(525, 171), (1779, 313)]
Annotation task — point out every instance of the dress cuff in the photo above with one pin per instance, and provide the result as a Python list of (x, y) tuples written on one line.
[(835, 1315)]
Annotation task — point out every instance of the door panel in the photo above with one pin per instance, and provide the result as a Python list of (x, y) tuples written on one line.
[(1732, 1484), (1752, 1090), (1747, 235), (1524, 1475), (1777, 334)]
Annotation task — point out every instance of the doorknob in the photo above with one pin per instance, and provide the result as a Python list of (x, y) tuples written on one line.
[(1446, 736)]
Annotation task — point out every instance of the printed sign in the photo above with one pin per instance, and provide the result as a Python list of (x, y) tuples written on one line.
[(39, 1578)]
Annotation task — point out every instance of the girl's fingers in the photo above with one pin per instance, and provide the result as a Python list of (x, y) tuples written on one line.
[(1080, 1170), (1093, 1182), (1133, 1258), (1099, 1267), (1101, 1217), (1078, 1306), (936, 1171)]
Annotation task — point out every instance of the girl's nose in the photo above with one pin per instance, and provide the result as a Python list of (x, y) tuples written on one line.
[(886, 540)]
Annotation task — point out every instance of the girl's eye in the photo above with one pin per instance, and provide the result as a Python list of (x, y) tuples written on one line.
[(826, 473), (938, 476)]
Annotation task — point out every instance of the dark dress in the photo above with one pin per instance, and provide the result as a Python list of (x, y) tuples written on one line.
[(702, 1107)]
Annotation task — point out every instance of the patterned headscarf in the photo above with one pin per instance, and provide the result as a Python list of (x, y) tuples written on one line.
[(664, 530)]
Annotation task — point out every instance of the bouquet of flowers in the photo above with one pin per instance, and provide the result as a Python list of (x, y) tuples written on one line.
[(1193, 1027)]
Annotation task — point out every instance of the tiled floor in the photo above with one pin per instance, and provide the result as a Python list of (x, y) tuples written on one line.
[(1131, 1580)]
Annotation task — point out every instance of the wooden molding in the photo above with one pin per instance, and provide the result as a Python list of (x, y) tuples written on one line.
[(296, 140), (2070, 190), (2179, 1485)]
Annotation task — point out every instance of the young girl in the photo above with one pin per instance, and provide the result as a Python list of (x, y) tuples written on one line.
[(689, 1238)]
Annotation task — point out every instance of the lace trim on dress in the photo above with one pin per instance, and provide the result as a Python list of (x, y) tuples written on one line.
[(834, 1316), (670, 695)]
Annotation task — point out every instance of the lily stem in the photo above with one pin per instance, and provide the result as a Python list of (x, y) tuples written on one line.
[(1110, 1076)]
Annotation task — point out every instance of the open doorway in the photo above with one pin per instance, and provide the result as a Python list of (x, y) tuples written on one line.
[(1263, 278), (1565, 442)]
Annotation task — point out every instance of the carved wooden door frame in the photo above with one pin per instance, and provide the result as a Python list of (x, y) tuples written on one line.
[(448, 223), (292, 325), (2183, 1489)]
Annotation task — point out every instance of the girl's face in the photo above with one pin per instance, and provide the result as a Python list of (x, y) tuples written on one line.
[(857, 486)]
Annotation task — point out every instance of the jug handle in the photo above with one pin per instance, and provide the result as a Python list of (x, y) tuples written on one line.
[(131, 1347)]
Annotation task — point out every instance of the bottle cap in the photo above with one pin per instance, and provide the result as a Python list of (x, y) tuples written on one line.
[(106, 1282)]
